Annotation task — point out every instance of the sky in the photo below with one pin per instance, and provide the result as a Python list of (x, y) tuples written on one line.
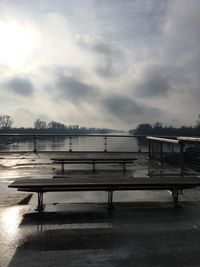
[(108, 63)]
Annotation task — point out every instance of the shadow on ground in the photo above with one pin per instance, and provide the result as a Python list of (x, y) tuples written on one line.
[(91, 235)]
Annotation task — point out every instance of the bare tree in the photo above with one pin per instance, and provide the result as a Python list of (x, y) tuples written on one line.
[(38, 124), (56, 126), (198, 122), (6, 122)]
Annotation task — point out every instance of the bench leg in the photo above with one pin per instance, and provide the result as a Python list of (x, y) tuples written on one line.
[(181, 191), (63, 169), (110, 200), (93, 169), (40, 206), (175, 194), (124, 167)]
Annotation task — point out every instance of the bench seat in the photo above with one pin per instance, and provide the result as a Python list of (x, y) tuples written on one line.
[(93, 161), (40, 186)]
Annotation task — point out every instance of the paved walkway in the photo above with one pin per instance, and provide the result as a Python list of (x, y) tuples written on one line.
[(151, 234), (78, 230)]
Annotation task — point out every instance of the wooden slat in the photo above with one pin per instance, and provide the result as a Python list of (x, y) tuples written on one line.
[(62, 182), (102, 161), (93, 158)]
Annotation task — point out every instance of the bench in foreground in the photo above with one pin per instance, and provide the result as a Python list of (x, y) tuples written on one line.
[(108, 184)]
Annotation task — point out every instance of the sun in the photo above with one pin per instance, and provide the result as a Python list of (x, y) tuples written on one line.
[(17, 42)]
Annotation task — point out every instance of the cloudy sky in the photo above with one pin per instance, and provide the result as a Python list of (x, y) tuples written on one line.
[(108, 63)]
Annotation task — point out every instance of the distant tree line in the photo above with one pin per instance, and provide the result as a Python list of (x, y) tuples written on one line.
[(42, 127), (159, 129), (57, 127)]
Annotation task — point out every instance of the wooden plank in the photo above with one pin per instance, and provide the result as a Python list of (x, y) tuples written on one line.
[(104, 188), (169, 181), (96, 161), (92, 176), (90, 158)]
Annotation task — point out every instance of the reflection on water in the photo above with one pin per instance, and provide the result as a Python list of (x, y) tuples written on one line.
[(88, 143), (81, 143)]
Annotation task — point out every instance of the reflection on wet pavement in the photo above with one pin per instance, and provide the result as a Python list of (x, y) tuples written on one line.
[(142, 230), (91, 235), (10, 219)]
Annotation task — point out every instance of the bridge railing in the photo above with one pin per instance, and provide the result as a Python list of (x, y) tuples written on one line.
[(71, 142), (191, 148), (178, 153), (181, 152)]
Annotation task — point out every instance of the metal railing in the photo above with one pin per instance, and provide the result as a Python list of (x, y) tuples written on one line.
[(178, 155), (105, 142), (181, 152), (191, 148)]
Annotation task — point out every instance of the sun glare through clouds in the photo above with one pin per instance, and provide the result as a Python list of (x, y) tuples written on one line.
[(17, 42)]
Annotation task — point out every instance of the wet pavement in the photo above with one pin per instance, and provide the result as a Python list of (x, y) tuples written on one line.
[(91, 235), (77, 229)]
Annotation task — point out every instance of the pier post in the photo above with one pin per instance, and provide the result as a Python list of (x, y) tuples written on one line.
[(70, 143), (181, 158), (161, 153), (110, 199), (105, 143), (40, 206), (34, 144), (175, 194), (149, 146)]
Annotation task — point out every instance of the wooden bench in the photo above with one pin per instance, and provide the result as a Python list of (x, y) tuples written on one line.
[(93, 161), (41, 186)]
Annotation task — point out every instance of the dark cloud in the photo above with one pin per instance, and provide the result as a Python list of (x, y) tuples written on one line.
[(181, 46), (69, 71), (106, 69), (103, 48), (134, 22), (20, 86), (154, 83), (94, 44), (125, 108), (75, 90), (119, 104), (109, 59)]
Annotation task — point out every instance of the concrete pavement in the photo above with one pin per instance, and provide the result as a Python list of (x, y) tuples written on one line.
[(78, 230), (133, 234)]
